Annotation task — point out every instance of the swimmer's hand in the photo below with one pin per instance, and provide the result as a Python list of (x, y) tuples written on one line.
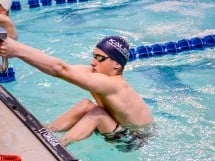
[(9, 47)]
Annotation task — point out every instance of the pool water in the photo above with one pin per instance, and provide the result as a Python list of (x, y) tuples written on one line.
[(179, 89)]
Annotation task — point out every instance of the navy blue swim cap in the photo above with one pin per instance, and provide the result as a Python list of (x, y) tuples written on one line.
[(116, 48)]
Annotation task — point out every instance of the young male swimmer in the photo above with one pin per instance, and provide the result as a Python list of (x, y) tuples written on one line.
[(118, 106)]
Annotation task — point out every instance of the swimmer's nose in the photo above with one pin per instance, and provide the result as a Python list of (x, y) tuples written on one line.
[(93, 62)]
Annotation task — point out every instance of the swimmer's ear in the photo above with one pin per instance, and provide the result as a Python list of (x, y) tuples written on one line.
[(118, 68), (116, 65)]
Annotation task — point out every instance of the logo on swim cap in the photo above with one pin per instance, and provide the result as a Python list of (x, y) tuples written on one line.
[(116, 48), (119, 47)]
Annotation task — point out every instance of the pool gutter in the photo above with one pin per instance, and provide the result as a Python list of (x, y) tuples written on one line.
[(22, 134)]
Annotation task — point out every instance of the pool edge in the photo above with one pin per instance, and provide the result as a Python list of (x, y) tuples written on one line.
[(19, 128)]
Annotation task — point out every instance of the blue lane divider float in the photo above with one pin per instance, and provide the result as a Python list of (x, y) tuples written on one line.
[(7, 76), (46, 2), (195, 43), (16, 4)]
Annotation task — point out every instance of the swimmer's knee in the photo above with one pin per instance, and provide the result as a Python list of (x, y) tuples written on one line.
[(86, 101), (87, 105)]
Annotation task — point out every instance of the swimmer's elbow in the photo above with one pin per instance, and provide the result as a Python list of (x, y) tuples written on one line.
[(58, 70)]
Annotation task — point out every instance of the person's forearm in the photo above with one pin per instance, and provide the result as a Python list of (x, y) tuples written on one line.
[(8, 26), (37, 58)]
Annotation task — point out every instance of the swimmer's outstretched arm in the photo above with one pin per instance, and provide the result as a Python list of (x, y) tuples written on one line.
[(47, 64), (77, 74)]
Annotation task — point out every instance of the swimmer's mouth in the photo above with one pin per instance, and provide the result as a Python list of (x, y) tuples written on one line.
[(93, 70)]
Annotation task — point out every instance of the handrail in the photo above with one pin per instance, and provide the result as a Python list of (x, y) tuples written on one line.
[(4, 65), (6, 74)]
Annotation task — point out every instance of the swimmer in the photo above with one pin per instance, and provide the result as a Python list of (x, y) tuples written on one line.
[(116, 105)]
